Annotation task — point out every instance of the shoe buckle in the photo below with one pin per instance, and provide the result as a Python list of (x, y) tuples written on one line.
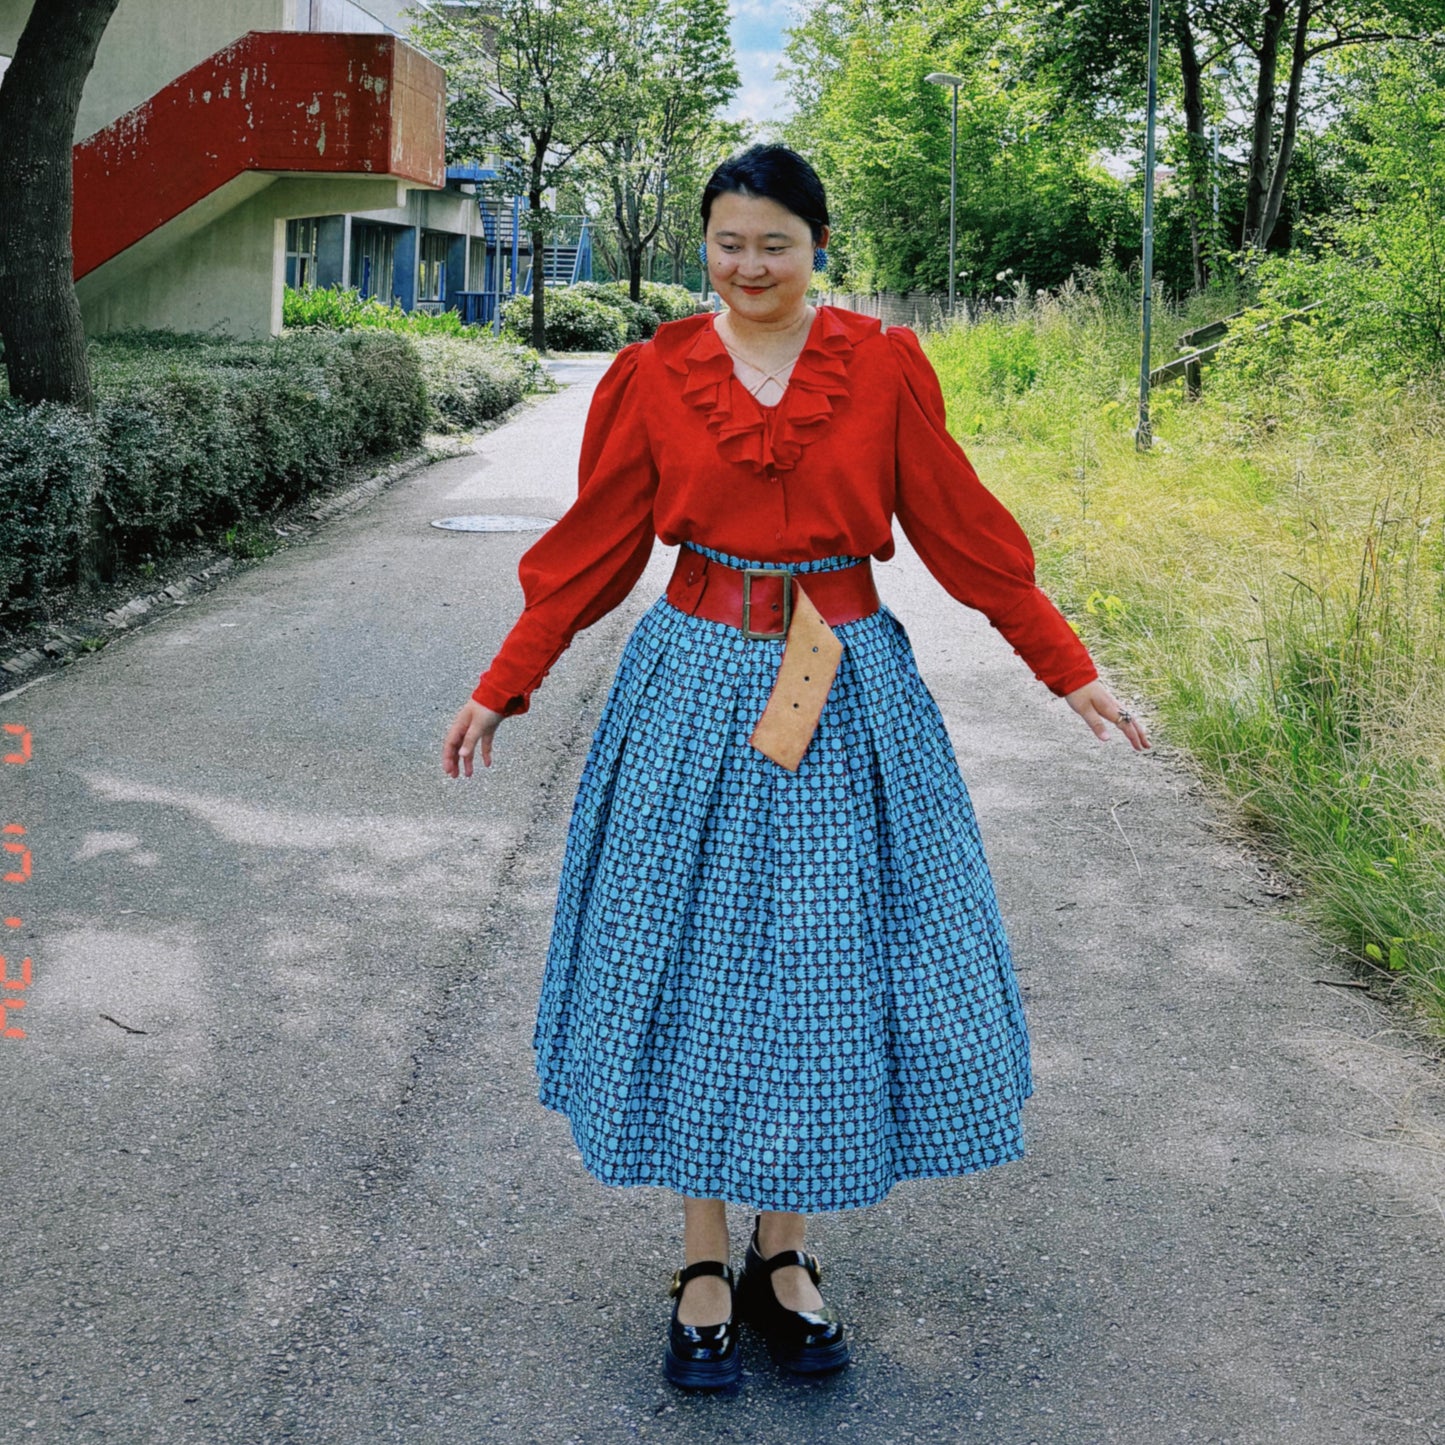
[(675, 1288), (815, 1269), (787, 582)]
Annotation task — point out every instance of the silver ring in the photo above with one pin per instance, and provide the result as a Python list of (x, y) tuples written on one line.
[(1125, 717)]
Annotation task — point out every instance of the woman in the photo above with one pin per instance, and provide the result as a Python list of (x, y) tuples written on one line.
[(777, 974)]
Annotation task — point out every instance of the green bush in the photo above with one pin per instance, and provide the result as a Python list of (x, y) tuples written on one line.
[(641, 320), (672, 303), (199, 434), (190, 435), (341, 308), (574, 323), (471, 375), (467, 383), (50, 471)]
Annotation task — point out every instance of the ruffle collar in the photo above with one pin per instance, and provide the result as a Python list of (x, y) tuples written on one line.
[(770, 438)]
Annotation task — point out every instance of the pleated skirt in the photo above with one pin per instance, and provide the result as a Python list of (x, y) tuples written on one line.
[(785, 990)]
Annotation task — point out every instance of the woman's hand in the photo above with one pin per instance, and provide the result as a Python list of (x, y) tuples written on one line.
[(473, 724), (1098, 706)]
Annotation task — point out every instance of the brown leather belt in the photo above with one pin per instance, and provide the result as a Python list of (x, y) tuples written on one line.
[(772, 605)]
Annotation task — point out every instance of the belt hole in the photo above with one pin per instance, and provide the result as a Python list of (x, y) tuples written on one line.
[(806, 678)]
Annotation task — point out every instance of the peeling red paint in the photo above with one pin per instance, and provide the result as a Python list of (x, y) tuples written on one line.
[(296, 107)]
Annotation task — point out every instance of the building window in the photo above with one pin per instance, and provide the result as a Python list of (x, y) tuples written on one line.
[(373, 257), (301, 253), (432, 265), (477, 264)]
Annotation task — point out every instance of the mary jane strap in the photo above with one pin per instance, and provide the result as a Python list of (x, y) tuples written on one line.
[(786, 1257), (680, 1277)]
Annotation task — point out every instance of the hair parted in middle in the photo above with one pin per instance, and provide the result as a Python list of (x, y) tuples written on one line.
[(776, 173)]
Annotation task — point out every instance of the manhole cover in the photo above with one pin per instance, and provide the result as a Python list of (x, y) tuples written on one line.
[(493, 524)]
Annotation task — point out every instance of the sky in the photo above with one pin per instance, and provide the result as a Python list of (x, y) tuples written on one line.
[(757, 27)]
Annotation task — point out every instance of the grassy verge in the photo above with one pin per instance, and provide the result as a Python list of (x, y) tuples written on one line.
[(1271, 576)]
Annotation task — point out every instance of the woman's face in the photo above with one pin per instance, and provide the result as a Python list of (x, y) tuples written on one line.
[(759, 257)]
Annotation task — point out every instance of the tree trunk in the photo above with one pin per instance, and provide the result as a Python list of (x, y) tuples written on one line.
[(39, 101), (1195, 151), (539, 266), (1263, 132), (1275, 199)]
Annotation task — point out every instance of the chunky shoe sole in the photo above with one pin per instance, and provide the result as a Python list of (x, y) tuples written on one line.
[(703, 1375), (813, 1362)]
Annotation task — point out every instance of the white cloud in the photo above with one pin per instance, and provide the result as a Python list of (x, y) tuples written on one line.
[(762, 97)]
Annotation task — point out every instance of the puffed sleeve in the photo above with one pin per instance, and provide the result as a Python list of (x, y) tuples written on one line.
[(590, 559), (966, 537)]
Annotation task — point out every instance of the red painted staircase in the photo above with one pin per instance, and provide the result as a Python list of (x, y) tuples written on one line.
[(279, 102)]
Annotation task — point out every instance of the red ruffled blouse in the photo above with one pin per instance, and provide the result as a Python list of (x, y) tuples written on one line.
[(675, 446)]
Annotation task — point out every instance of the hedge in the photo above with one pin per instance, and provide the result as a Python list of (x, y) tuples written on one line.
[(187, 437), (51, 468), (192, 434), (574, 322), (470, 381), (576, 318), (639, 318), (197, 435)]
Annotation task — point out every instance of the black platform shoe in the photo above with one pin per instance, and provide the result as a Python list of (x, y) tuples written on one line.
[(702, 1357), (808, 1341)]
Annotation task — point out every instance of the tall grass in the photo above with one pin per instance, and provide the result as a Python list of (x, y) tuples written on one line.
[(1271, 575)]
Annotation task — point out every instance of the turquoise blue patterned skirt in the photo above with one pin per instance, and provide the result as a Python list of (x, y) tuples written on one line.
[(786, 990)]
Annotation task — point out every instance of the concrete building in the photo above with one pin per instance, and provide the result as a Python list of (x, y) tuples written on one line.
[(225, 150)]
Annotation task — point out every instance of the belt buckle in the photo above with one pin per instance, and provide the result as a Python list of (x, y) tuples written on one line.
[(748, 574)]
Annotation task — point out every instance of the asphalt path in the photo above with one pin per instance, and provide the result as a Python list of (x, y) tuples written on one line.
[(275, 1170)]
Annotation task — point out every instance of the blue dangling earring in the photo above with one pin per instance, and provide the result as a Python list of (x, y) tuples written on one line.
[(820, 259), (702, 255)]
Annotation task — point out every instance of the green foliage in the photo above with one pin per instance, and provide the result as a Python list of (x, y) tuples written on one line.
[(672, 303), (50, 471), (471, 376), (200, 434), (640, 320), (1379, 278), (341, 308), (1031, 201), (191, 435), (574, 322), (468, 383), (1271, 576)]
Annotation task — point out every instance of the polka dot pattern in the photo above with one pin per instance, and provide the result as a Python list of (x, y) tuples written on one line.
[(786, 990)]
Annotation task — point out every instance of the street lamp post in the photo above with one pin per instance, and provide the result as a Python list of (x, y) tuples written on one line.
[(1143, 435), (940, 77)]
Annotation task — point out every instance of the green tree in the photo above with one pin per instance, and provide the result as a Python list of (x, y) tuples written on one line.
[(680, 221), (39, 101), (677, 71), (1031, 199), (1381, 274), (1262, 59), (533, 83)]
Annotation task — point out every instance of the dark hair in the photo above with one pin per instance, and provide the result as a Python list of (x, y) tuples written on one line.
[(777, 173)]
